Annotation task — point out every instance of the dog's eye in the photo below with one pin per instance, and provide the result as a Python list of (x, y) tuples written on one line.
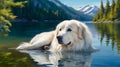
[(60, 29), (69, 29)]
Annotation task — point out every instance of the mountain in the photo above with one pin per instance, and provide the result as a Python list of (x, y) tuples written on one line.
[(48, 10), (71, 11), (90, 10), (40, 10)]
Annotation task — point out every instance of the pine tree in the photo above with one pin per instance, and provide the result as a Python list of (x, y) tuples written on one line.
[(96, 17), (109, 13), (112, 10), (117, 10), (6, 14), (107, 10), (100, 14), (102, 10)]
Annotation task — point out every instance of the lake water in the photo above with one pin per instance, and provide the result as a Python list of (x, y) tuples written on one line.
[(106, 37)]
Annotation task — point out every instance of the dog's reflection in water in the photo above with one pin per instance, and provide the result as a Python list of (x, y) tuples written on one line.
[(58, 59)]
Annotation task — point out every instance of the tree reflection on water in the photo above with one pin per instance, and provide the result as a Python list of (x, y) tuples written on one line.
[(110, 32), (12, 58)]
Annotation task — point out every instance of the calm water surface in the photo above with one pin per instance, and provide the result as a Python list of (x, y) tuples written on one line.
[(106, 37)]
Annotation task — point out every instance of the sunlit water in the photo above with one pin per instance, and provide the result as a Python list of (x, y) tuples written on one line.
[(106, 38)]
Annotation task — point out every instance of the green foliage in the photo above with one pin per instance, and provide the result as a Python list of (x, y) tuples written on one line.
[(99, 14), (102, 10), (6, 14), (112, 10), (106, 14), (109, 13)]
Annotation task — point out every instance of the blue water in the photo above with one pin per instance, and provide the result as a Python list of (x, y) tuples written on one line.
[(109, 54), (105, 37)]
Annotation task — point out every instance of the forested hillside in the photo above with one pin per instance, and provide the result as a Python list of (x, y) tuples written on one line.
[(40, 10), (109, 12), (47, 10)]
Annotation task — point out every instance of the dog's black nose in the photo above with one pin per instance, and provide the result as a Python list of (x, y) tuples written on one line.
[(59, 38)]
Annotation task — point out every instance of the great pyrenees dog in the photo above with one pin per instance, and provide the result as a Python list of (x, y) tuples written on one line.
[(69, 35)]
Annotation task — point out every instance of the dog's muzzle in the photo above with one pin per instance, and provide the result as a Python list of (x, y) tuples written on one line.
[(59, 38)]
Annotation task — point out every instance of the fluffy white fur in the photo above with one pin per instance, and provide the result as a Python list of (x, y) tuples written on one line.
[(78, 38)]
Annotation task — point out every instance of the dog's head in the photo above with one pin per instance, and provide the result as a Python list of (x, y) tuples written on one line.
[(69, 32)]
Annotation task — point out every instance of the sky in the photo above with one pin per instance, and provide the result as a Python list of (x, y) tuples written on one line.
[(79, 3)]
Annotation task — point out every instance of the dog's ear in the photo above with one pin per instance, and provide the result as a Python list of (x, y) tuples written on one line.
[(84, 33), (81, 31)]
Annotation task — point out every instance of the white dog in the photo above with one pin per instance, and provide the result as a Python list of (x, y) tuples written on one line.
[(69, 35)]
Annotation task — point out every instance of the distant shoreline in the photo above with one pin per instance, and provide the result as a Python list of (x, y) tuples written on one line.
[(107, 21), (33, 20)]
